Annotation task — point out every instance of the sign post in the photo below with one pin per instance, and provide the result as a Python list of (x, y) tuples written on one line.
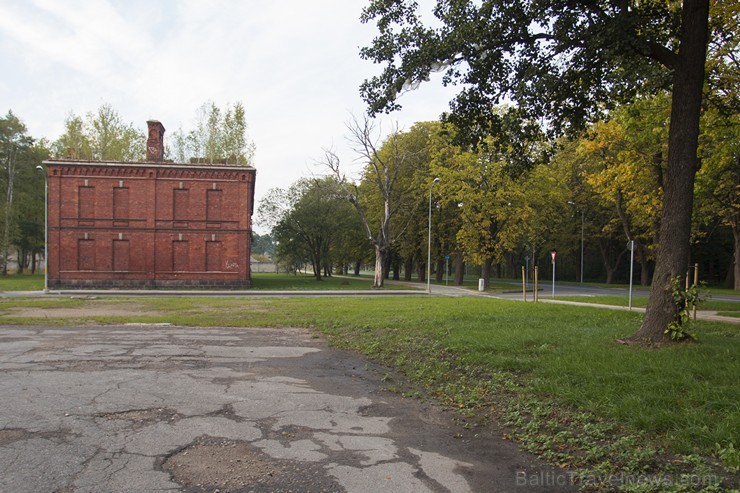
[(553, 254)]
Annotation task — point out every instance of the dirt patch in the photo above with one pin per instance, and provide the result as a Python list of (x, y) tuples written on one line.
[(142, 417), (12, 435), (90, 310), (220, 465)]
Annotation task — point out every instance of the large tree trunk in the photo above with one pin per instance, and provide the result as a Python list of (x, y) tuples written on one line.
[(358, 265), (675, 228), (485, 272), (459, 269), (380, 257), (408, 267), (439, 272), (421, 271)]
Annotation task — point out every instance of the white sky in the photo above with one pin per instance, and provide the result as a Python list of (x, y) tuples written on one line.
[(293, 64)]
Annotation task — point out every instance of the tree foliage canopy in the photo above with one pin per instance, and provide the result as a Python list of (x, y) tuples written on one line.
[(562, 59), (565, 60), (219, 136), (101, 136)]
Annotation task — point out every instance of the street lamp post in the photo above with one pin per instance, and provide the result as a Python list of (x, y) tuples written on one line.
[(46, 228), (429, 238), (582, 246), (582, 222)]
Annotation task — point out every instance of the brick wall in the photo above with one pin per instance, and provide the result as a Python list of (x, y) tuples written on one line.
[(149, 225)]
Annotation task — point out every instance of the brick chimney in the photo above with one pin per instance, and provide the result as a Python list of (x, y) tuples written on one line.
[(155, 142)]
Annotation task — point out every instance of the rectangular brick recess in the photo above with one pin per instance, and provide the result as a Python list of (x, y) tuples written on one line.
[(109, 216)]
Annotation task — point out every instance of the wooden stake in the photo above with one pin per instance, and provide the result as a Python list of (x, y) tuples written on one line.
[(696, 284), (536, 282)]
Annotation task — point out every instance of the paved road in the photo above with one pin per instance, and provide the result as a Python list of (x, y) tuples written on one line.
[(145, 409)]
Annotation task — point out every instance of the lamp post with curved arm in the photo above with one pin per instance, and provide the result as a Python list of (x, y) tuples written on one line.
[(429, 237)]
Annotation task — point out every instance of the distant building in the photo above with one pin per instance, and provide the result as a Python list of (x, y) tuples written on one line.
[(149, 224)]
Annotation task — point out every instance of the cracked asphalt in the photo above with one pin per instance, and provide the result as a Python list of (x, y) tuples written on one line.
[(154, 409)]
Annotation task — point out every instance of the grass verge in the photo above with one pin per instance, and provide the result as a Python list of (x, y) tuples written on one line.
[(300, 282), (22, 282), (552, 373), (709, 304)]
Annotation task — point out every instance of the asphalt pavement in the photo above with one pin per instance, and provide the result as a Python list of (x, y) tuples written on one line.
[(164, 409)]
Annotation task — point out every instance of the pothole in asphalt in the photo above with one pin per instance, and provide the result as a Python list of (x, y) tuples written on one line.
[(212, 464), (142, 417), (226, 465)]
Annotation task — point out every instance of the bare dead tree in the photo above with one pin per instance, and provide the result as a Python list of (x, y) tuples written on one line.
[(383, 169)]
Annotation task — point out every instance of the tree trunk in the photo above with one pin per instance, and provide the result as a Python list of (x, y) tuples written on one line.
[(421, 271), (606, 249), (440, 270), (316, 264), (485, 272), (358, 265), (459, 269), (675, 227), (21, 256), (644, 272), (379, 278), (408, 267)]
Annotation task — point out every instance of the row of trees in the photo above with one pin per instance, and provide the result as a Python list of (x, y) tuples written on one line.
[(100, 135), (313, 222), (518, 195), (570, 62), (219, 136), (22, 208)]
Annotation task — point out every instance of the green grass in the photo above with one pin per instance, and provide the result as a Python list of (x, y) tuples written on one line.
[(641, 301), (300, 282), (729, 314), (22, 282), (261, 281), (553, 373)]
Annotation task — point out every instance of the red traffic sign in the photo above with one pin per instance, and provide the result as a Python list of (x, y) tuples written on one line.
[(553, 253)]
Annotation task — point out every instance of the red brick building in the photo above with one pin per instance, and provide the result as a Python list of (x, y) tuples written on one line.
[(149, 224)]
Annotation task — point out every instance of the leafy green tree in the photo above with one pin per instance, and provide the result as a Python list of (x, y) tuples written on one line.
[(74, 143), (28, 235), (103, 136), (308, 221), (624, 163), (263, 244), (564, 61), (481, 183), (219, 136), (113, 140), (718, 180), (22, 207)]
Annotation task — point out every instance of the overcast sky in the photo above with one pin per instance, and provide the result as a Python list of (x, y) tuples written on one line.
[(293, 64)]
